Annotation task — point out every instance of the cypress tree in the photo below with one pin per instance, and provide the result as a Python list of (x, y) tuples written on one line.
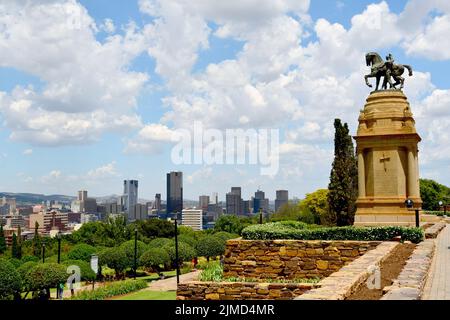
[(19, 243), (343, 187), (14, 247), (2, 240), (36, 241)]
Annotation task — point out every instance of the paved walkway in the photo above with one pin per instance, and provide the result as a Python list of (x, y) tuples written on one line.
[(437, 286), (170, 284)]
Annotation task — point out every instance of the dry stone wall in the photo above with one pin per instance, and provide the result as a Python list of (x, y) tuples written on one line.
[(290, 259)]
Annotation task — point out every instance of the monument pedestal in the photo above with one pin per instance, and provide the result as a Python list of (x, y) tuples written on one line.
[(388, 170)]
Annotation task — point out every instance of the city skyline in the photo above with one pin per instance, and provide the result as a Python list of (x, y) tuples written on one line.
[(57, 140)]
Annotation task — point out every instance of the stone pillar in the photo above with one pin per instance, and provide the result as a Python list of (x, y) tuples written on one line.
[(361, 175), (412, 171), (417, 174)]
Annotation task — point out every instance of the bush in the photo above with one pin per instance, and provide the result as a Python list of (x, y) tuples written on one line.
[(10, 281), (15, 262), (210, 246), (81, 252), (272, 231), (153, 258), (110, 290), (23, 271), (29, 258), (189, 239), (46, 275), (128, 248), (185, 252), (225, 235), (159, 242), (212, 272), (87, 274), (115, 258)]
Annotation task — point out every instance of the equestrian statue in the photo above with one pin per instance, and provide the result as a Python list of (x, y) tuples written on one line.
[(387, 69)]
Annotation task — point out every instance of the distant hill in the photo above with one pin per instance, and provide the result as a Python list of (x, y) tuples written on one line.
[(33, 198)]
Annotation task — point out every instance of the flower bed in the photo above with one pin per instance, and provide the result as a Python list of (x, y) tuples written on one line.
[(110, 290)]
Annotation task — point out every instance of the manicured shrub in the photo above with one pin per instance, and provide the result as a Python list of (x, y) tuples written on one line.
[(23, 271), (187, 238), (128, 248), (46, 275), (15, 262), (159, 242), (153, 258), (87, 274), (29, 258), (185, 251), (10, 281), (110, 290), (210, 246), (115, 258), (271, 231), (81, 252), (225, 235)]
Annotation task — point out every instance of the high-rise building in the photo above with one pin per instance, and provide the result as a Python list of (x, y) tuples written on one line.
[(174, 192), (130, 196), (82, 195), (281, 199), (157, 203), (138, 212), (203, 202), (260, 202), (192, 218), (214, 198), (83, 204), (234, 202)]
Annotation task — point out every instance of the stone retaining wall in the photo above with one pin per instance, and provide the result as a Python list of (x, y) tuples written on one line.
[(433, 231), (345, 282), (290, 259), (198, 290), (410, 282)]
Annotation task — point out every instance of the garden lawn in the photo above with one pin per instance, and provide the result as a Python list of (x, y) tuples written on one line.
[(148, 295)]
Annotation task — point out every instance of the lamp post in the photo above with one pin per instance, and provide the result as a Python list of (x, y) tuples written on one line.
[(135, 252), (43, 253), (260, 216), (176, 251), (410, 205)]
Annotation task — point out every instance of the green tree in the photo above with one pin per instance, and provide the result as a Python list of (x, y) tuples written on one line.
[(154, 228), (185, 252), (115, 258), (343, 187), (128, 249), (15, 247), (432, 192), (231, 223), (159, 242), (153, 258), (317, 204), (46, 276), (36, 243), (287, 212), (210, 246), (10, 281), (2, 240), (81, 252)]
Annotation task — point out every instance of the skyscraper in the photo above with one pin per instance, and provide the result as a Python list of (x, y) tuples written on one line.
[(174, 192), (130, 196), (203, 202), (281, 199), (234, 202), (260, 202), (157, 202)]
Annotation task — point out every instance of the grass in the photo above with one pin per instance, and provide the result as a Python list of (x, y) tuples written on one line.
[(149, 295)]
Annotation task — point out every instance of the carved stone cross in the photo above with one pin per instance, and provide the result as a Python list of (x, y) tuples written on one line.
[(384, 159)]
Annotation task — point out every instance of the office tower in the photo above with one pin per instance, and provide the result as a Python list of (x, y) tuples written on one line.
[(157, 203), (281, 199), (203, 202), (247, 206), (260, 202), (138, 212), (214, 198), (174, 192), (82, 195), (192, 218), (234, 202), (130, 196)]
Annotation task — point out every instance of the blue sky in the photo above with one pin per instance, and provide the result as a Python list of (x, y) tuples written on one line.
[(86, 105)]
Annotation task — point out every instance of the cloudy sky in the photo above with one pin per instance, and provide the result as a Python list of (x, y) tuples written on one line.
[(91, 90)]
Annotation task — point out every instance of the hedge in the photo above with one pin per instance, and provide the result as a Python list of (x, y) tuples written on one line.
[(272, 231), (111, 290)]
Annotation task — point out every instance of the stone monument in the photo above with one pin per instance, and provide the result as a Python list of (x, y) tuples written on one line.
[(388, 170)]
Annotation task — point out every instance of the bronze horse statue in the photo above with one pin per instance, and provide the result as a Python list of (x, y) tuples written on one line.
[(388, 69)]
